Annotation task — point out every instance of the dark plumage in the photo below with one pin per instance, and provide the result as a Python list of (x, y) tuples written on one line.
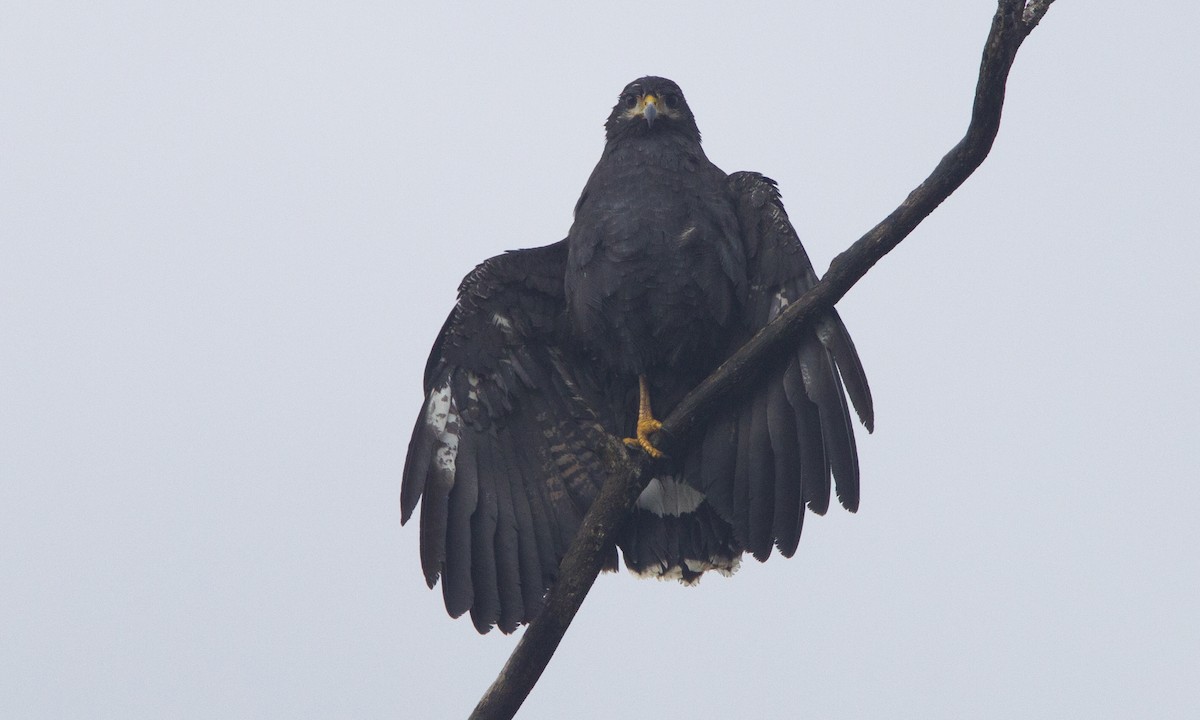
[(669, 267)]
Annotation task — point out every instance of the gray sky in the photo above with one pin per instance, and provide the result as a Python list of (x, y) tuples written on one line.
[(231, 232)]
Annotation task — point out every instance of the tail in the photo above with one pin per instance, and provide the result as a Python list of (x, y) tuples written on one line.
[(675, 534)]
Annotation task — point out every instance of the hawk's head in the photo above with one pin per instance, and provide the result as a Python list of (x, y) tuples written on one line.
[(651, 105)]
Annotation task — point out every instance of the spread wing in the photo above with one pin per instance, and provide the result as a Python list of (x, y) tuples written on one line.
[(794, 431), (502, 451)]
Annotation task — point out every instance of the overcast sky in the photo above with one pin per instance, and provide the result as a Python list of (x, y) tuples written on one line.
[(229, 232)]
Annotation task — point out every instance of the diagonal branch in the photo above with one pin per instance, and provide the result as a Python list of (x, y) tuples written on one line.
[(1012, 23)]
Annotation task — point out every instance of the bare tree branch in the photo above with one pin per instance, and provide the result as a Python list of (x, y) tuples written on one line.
[(1012, 23)]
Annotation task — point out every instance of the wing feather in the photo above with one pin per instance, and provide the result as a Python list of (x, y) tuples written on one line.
[(833, 335), (823, 387), (761, 483), (508, 546), (800, 438), (717, 458), (485, 609), (457, 586), (530, 569), (540, 512), (741, 475), (500, 457), (781, 423), (814, 466)]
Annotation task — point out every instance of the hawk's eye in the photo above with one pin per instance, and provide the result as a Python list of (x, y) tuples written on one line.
[(671, 100), (629, 101)]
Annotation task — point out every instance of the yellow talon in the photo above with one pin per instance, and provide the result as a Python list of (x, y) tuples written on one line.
[(645, 429), (647, 425)]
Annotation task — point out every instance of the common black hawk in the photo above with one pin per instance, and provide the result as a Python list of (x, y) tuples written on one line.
[(670, 265)]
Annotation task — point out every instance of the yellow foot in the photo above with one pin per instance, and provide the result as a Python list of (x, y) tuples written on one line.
[(645, 428), (646, 424)]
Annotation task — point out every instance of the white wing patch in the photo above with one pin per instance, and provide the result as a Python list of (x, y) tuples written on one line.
[(441, 414), (778, 303), (437, 411), (501, 322)]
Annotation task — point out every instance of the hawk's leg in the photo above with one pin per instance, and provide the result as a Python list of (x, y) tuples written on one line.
[(646, 423)]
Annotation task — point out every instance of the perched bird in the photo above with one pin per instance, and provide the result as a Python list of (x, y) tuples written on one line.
[(670, 266)]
